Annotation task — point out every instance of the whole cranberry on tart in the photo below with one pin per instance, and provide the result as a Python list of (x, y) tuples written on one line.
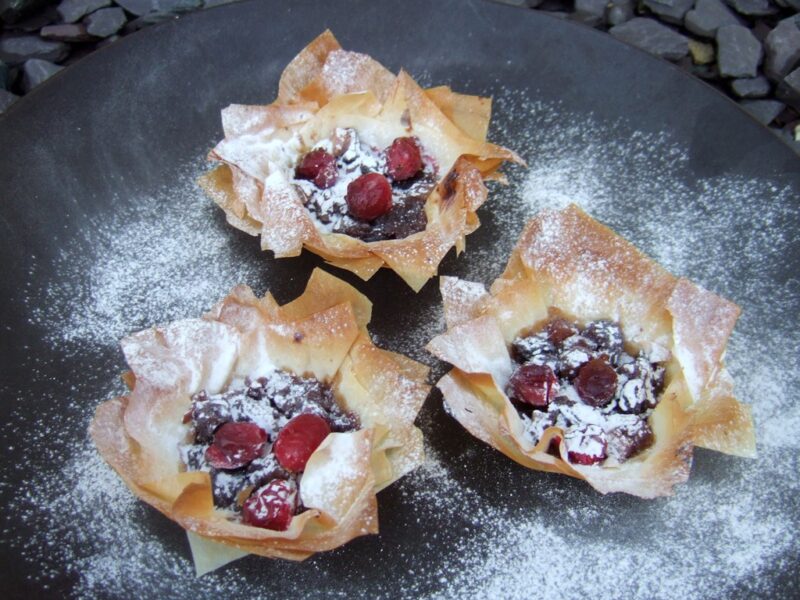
[(319, 167), (369, 196), (403, 159), (298, 439)]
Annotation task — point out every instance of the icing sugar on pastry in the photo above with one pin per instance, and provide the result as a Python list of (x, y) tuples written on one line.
[(330, 102), (219, 431), (595, 388)]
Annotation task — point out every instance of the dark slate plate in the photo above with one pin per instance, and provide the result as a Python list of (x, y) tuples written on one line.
[(103, 155)]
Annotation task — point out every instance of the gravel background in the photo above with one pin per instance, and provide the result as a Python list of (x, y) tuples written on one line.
[(748, 49)]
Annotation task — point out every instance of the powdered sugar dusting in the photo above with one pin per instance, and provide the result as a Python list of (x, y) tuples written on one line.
[(162, 258), (322, 487), (469, 523)]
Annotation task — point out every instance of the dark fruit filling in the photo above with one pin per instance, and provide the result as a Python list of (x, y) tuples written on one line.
[(596, 382), (352, 188), (536, 385), (235, 445), (582, 380), (255, 440)]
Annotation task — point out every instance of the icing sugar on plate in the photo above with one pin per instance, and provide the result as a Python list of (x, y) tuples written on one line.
[(729, 530)]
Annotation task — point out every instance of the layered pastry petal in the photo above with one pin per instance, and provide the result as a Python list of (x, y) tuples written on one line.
[(253, 367), (351, 108), (520, 380)]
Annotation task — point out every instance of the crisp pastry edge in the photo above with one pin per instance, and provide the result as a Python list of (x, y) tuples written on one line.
[(306, 83), (391, 444), (697, 407)]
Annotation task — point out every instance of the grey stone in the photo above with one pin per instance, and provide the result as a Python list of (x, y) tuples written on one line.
[(5, 76), (7, 99), (19, 48), (66, 32), (210, 3), (74, 10), (755, 87), (738, 52), (789, 89), (653, 37), (671, 11), (709, 15), (590, 12), (106, 22), (619, 11), (176, 7), (136, 7), (783, 49), (35, 71), (763, 110), (518, 3), (754, 8)]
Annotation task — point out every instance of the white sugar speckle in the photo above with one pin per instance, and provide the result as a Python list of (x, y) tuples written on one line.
[(164, 257), (469, 523)]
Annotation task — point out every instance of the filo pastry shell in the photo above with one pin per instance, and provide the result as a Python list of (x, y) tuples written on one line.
[(324, 88), (322, 334), (568, 263)]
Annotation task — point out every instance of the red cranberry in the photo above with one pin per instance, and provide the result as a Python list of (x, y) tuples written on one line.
[(578, 458), (318, 166), (298, 439), (271, 506), (369, 196), (553, 448), (534, 384), (596, 382), (403, 159), (587, 446), (560, 329), (235, 445)]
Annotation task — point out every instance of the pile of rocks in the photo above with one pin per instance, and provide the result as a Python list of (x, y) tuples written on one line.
[(40, 37), (750, 49)]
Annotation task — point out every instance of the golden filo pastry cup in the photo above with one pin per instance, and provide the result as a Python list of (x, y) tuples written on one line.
[(322, 334), (569, 264), (324, 88)]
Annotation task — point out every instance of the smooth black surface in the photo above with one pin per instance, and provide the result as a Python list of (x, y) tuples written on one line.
[(128, 118)]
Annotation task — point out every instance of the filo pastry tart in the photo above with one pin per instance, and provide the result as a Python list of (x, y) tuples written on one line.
[(360, 166), (589, 359), (262, 428)]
